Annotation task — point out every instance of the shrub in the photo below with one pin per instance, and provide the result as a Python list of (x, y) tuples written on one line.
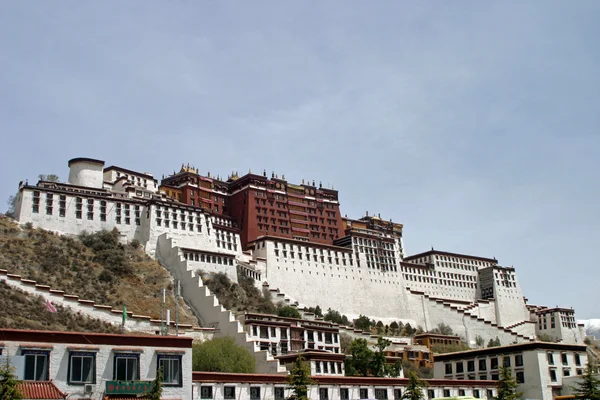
[(222, 355), (289, 312)]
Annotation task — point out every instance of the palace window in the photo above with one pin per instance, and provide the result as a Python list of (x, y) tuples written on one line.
[(206, 392), (323, 394), (381, 394), (254, 393), (344, 394), (82, 368), (229, 392), (279, 393), (363, 393), (78, 207)]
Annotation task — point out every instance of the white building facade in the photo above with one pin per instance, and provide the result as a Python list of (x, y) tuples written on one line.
[(538, 367), (98, 366)]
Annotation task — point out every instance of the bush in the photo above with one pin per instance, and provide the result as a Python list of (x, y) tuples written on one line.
[(222, 355), (289, 312), (336, 317)]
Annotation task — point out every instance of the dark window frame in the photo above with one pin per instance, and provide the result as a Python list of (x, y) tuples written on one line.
[(170, 358), (81, 354), (122, 355)]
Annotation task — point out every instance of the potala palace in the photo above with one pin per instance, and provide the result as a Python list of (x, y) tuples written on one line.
[(292, 238)]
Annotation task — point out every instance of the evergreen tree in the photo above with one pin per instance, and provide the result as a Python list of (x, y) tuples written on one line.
[(156, 389), (588, 387), (299, 379), (507, 386), (8, 383), (362, 323), (394, 327), (414, 388)]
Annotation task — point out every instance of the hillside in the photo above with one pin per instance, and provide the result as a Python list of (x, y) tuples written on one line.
[(94, 267), (23, 311)]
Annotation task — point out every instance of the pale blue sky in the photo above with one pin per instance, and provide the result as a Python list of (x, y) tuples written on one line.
[(473, 123)]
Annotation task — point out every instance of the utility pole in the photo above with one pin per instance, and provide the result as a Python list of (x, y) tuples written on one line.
[(177, 294)]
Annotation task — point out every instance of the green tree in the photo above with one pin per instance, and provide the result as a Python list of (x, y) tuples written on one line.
[(362, 358), (507, 386), (49, 178), (9, 389), (479, 341), (409, 330), (414, 388), (363, 323), (299, 379), (394, 327), (378, 366), (335, 317), (443, 329), (588, 386), (222, 355), (379, 327), (156, 388), (289, 312)]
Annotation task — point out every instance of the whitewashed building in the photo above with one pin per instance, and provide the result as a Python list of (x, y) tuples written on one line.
[(223, 386), (538, 367), (100, 366)]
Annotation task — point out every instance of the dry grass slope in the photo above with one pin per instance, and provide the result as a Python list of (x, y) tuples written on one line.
[(117, 275), (23, 311)]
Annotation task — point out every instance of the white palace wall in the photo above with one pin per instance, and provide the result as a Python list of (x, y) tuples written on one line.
[(369, 277)]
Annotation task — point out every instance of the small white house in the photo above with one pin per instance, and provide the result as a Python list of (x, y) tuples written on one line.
[(98, 366)]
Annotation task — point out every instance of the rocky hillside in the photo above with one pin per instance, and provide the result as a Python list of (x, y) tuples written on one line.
[(94, 267)]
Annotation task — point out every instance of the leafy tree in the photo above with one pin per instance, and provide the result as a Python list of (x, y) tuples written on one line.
[(379, 327), (12, 205), (494, 342), (414, 388), (9, 389), (156, 388), (363, 323), (409, 330), (335, 317), (507, 386), (419, 330), (299, 379), (366, 362), (443, 329), (588, 386), (289, 312), (479, 341), (362, 356), (222, 355), (394, 327), (49, 178)]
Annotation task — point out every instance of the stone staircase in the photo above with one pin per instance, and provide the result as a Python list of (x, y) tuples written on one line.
[(467, 319), (206, 306)]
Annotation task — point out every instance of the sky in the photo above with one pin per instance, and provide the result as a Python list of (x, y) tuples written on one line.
[(475, 124)]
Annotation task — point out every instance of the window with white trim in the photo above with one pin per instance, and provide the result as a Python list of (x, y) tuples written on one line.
[(171, 369), (126, 367), (36, 364), (82, 368)]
